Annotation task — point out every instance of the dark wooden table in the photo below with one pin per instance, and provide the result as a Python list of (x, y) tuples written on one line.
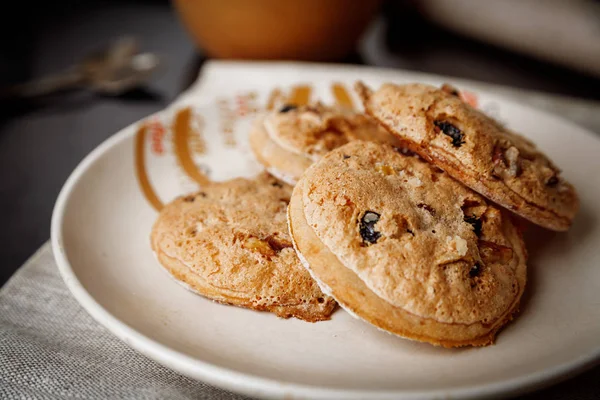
[(41, 142)]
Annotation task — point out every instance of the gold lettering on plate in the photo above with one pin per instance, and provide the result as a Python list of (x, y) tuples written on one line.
[(197, 142), (188, 131), (300, 95), (228, 118), (140, 168), (182, 130), (342, 97), (246, 104)]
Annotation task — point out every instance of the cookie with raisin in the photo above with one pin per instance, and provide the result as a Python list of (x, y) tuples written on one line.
[(476, 150), (400, 244), (230, 243), (288, 140)]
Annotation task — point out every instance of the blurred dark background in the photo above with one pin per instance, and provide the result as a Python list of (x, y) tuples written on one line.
[(42, 140)]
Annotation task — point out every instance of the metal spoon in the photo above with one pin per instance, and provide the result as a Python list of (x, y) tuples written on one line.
[(112, 72)]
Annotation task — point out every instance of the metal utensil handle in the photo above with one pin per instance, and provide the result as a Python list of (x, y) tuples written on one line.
[(46, 85)]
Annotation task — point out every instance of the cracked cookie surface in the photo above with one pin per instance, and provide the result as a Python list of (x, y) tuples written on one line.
[(288, 140), (476, 150), (230, 243), (421, 255)]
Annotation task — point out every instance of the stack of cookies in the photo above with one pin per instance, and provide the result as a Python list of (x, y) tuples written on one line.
[(404, 216), (286, 142)]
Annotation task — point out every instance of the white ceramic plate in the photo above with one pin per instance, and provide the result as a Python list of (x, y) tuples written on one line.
[(105, 211)]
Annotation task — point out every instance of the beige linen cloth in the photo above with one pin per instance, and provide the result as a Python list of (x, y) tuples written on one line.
[(50, 348)]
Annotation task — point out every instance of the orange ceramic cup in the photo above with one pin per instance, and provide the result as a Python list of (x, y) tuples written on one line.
[(315, 30)]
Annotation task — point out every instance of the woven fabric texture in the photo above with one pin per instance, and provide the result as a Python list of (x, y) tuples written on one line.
[(50, 348)]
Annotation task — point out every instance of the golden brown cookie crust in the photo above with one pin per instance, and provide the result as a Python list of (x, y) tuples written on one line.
[(314, 130), (230, 243), (289, 141), (278, 161), (441, 265), (476, 150)]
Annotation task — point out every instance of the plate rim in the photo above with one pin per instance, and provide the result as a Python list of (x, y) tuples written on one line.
[(255, 385)]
